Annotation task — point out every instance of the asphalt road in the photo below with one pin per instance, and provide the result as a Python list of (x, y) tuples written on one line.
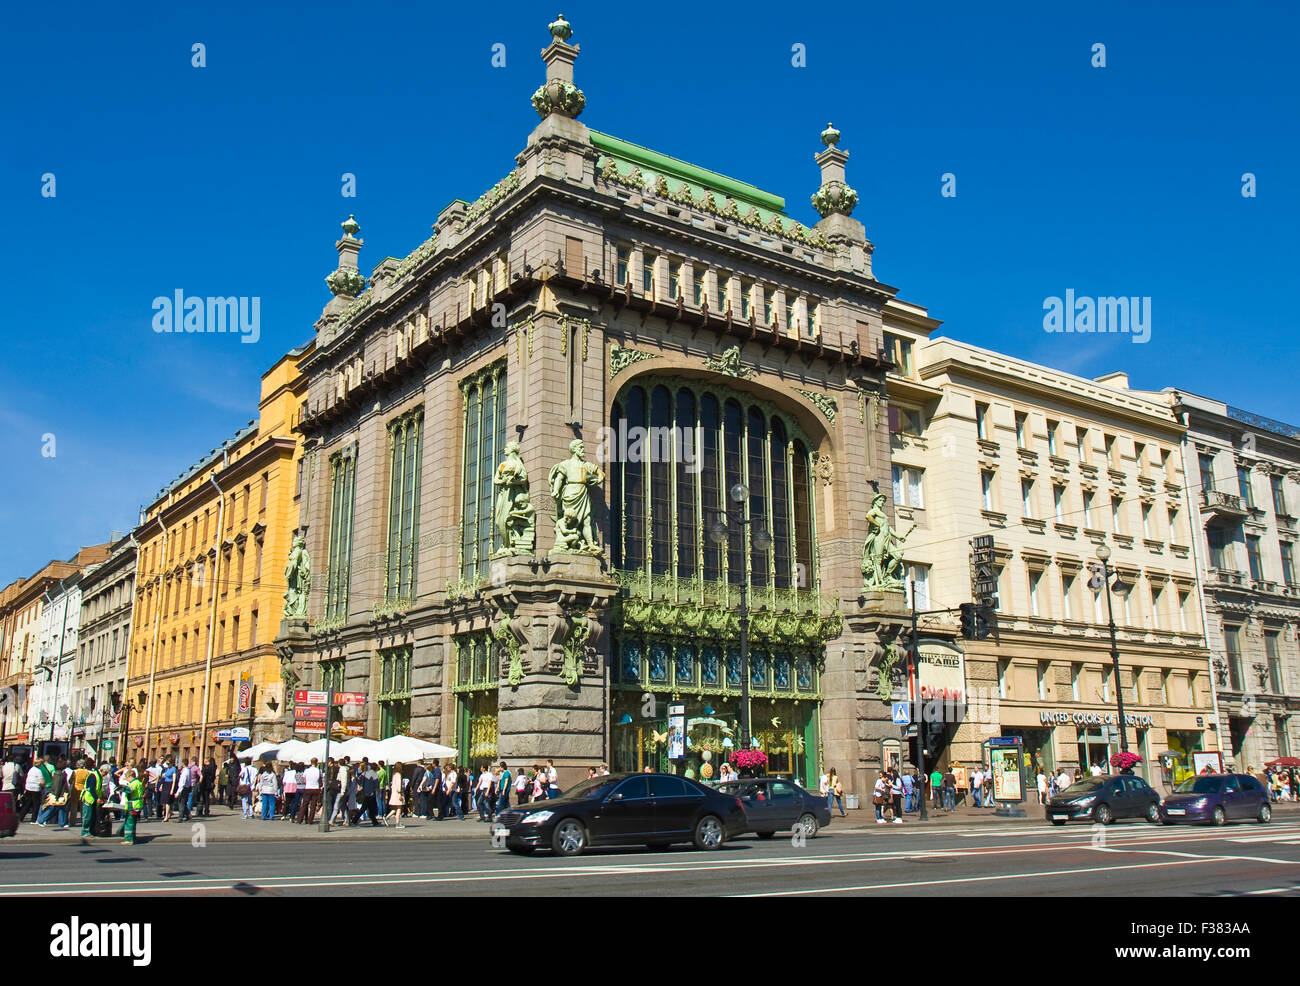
[(1015, 860)]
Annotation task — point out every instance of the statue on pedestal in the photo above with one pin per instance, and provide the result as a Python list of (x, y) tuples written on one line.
[(882, 554), (513, 514), (569, 481), (297, 577)]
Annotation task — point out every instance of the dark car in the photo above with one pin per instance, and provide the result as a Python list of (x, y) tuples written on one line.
[(775, 805), (1217, 799), (655, 810), (1105, 798), (8, 813)]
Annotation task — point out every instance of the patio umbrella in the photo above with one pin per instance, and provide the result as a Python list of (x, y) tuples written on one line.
[(407, 749), (1284, 762), (293, 750), (356, 748), (261, 751)]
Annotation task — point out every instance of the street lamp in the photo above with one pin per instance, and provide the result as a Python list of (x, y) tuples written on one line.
[(732, 521), (1120, 586)]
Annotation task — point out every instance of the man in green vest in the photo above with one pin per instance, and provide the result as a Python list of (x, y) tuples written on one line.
[(90, 797), (134, 805)]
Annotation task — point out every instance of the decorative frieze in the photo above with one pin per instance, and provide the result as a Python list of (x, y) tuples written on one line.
[(620, 359), (824, 403)]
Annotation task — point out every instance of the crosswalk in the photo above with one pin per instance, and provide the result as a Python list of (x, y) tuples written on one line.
[(1285, 834)]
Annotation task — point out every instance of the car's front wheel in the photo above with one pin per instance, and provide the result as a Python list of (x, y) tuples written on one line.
[(570, 838), (1265, 814), (1102, 814), (807, 824), (709, 834), (1220, 816), (1153, 813)]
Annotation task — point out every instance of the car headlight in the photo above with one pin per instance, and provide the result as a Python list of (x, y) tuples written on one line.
[(1084, 802), (1198, 802), (537, 817)]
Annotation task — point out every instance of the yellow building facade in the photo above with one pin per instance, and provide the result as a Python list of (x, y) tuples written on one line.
[(210, 586)]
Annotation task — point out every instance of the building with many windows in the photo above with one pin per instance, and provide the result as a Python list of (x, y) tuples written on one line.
[(695, 338), (209, 585), (107, 602), (1245, 496), (1052, 466)]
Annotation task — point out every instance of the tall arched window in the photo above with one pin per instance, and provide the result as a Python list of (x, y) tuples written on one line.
[(680, 448)]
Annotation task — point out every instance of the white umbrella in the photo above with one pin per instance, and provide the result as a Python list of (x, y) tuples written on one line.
[(293, 750), (258, 751), (316, 748), (408, 749), (356, 748)]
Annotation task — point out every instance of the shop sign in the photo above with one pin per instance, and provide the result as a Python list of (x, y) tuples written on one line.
[(237, 734), (1139, 719), (309, 712), (304, 697), (303, 726), (349, 698), (245, 692)]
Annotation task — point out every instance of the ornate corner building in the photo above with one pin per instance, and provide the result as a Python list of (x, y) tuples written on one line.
[(1246, 470), (542, 601)]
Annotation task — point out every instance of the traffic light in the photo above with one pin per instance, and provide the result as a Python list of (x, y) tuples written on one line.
[(969, 625), (985, 621)]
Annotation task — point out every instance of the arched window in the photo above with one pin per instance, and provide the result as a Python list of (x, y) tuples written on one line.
[(679, 451)]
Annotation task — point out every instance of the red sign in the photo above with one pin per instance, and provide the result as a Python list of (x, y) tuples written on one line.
[(304, 697), (310, 712), (349, 698), (309, 727), (245, 692)]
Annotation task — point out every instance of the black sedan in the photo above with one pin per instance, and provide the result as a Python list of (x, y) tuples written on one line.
[(1104, 799), (655, 810), (774, 805)]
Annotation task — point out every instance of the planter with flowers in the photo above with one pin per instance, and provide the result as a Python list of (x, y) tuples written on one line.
[(749, 763), (1125, 761)]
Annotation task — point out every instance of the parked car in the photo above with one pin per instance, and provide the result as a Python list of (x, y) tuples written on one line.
[(1105, 798), (773, 805), (654, 810), (1217, 799), (9, 818)]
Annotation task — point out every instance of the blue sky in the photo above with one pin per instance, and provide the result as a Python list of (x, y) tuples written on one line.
[(225, 180)]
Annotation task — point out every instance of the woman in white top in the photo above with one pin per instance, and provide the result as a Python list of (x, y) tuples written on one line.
[(878, 797), (1042, 788), (290, 782), (268, 786), (395, 799)]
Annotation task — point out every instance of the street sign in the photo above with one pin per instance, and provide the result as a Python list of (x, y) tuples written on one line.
[(912, 731), (304, 697), (107, 745), (902, 713), (236, 734), (309, 727), (350, 698)]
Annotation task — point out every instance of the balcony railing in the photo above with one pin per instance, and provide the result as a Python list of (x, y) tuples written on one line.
[(1228, 504)]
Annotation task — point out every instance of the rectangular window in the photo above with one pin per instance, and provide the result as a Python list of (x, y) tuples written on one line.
[(724, 291), (1244, 485), (648, 274), (1058, 503), (1146, 521), (769, 300), (1288, 561), (1279, 496), (266, 484), (1173, 524), (1081, 443), (1052, 427), (697, 288), (908, 483), (1274, 658), (343, 482), (1206, 461), (1022, 430), (1112, 451), (1076, 671), (986, 489), (573, 264), (674, 279), (485, 438), (1164, 688), (1067, 594), (982, 424), (1027, 498), (234, 634), (1232, 650), (395, 692), (257, 560), (746, 298), (1137, 686), (247, 496), (1035, 583), (1157, 594), (622, 259), (252, 629), (899, 352), (1218, 544), (815, 320), (1043, 668), (1004, 677), (905, 421), (1140, 453), (405, 448), (1087, 509), (1184, 600), (789, 310), (918, 586), (1252, 556), (1117, 515)]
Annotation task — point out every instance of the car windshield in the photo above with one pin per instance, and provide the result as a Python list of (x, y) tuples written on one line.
[(593, 788), (1085, 785), (1199, 785)]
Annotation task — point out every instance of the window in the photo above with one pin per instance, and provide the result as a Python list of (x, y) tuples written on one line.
[(982, 424), (405, 447), (789, 310), (1081, 443), (1058, 503), (908, 486), (1252, 555), (1035, 582), (899, 352), (266, 483), (343, 481), (1288, 561), (769, 298), (395, 692), (1206, 461), (1244, 485), (724, 292), (1274, 657), (1027, 498), (1087, 508), (697, 288), (674, 279), (1140, 453), (252, 629), (1184, 600), (257, 561), (623, 257), (905, 421), (1173, 524), (1137, 685), (234, 633), (815, 320), (668, 501), (746, 298), (1076, 670), (1232, 650), (1004, 683), (1106, 675), (1164, 688), (1022, 430), (1146, 521), (1043, 668), (247, 495), (918, 586), (1157, 594), (986, 488), (648, 274), (1067, 594), (1052, 427), (1117, 515), (1279, 496), (1112, 451), (485, 439), (1218, 544), (1283, 726)]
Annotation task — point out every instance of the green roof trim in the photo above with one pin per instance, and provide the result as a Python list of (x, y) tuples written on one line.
[(741, 191)]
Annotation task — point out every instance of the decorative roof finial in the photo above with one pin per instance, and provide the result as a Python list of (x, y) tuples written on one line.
[(834, 196), (560, 28), (830, 136), (351, 227), (347, 281)]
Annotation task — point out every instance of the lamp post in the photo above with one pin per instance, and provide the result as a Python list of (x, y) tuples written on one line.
[(1120, 586), (126, 710), (731, 521)]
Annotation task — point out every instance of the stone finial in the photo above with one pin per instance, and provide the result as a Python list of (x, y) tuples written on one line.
[(559, 94), (560, 29), (834, 196), (347, 281)]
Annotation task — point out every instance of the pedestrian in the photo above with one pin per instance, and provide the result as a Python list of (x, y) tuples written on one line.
[(167, 788), (552, 780), (977, 787), (370, 794), (483, 790), (824, 787), (268, 787), (34, 789), (909, 791), (949, 791), (1042, 787), (245, 788), (381, 794), (292, 796), (91, 791), (504, 781), (522, 787), (396, 796), (134, 804), (878, 795), (540, 787), (232, 780), (936, 787), (1062, 780), (463, 790), (55, 802), (207, 787), (420, 791), (342, 795), (895, 793), (451, 794)]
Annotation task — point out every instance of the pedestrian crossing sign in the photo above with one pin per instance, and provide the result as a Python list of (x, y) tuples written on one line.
[(902, 713)]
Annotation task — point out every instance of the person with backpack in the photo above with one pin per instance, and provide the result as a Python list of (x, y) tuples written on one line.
[(56, 797)]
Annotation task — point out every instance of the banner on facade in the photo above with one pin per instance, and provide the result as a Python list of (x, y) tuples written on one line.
[(941, 682), (245, 692)]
